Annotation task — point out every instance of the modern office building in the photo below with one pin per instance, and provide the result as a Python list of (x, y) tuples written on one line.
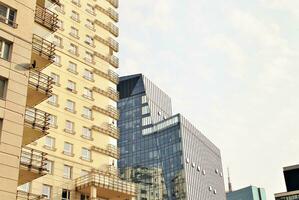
[(163, 153), (291, 176), (248, 193), (58, 100)]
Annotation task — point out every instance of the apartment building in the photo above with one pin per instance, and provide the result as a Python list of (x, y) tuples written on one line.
[(58, 100)]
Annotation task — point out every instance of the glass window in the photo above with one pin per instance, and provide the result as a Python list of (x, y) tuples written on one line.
[(88, 74), (50, 142), (57, 41), (57, 60), (55, 78), (85, 154), (73, 49), (8, 15), (89, 24), (52, 120), (5, 49), (84, 172), (87, 112), (66, 194), (70, 106), (74, 32), (3, 87), (53, 99), (71, 86), (46, 191), (72, 67), (89, 40), (67, 172), (60, 23), (69, 126), (90, 8), (86, 132), (25, 187), (88, 56), (49, 166), (87, 93), (68, 148), (75, 15)]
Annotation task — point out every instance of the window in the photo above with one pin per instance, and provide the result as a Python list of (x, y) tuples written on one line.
[(89, 24), (76, 2), (60, 24), (86, 133), (87, 93), (49, 142), (8, 15), (74, 32), (66, 194), (87, 113), (46, 191), (71, 86), (89, 40), (56, 78), (53, 121), (68, 148), (90, 9), (73, 49), (88, 75), (5, 49), (85, 154), (70, 106), (75, 16), (69, 126), (53, 100), (84, 172), (3, 87), (72, 67), (57, 60), (58, 41), (25, 187), (60, 8), (88, 56), (49, 166), (67, 172)]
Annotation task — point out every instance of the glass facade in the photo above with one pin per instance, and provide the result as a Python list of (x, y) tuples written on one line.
[(152, 145)]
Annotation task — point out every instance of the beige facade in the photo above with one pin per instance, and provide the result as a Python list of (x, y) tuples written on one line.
[(59, 135)]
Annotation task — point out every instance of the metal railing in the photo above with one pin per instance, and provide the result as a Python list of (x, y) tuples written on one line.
[(113, 60), (33, 159), (37, 119), (21, 195), (111, 75), (43, 48), (103, 180), (108, 129), (41, 82), (113, 14), (46, 18), (109, 27), (113, 44), (110, 93), (110, 111), (114, 3), (110, 150), (9, 22)]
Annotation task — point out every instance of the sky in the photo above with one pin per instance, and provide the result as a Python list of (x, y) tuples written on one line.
[(232, 68)]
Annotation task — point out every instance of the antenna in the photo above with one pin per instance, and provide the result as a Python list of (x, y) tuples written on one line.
[(230, 188)]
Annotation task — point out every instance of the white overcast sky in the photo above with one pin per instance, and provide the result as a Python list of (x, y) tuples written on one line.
[(232, 68)]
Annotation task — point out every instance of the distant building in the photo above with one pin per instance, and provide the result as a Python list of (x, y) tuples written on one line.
[(248, 193), (291, 176), (164, 153)]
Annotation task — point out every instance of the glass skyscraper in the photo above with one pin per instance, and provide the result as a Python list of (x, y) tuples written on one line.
[(248, 193), (163, 153)]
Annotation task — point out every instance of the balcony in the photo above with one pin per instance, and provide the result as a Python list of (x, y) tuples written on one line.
[(111, 75), (43, 53), (112, 60), (39, 87), (36, 125), (110, 150), (32, 165), (113, 3), (109, 27), (28, 196), (110, 93), (109, 12), (100, 184), (110, 111), (46, 18), (109, 42), (108, 129)]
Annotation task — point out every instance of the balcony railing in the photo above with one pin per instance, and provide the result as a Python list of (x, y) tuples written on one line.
[(110, 93), (113, 3), (109, 27), (46, 18), (110, 150), (43, 48), (33, 160), (112, 60), (28, 196), (103, 181), (37, 119), (111, 75), (110, 111), (9, 22), (110, 42), (109, 12), (107, 129), (41, 82)]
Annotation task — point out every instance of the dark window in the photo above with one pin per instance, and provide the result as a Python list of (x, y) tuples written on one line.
[(7, 15), (66, 194), (3, 87)]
